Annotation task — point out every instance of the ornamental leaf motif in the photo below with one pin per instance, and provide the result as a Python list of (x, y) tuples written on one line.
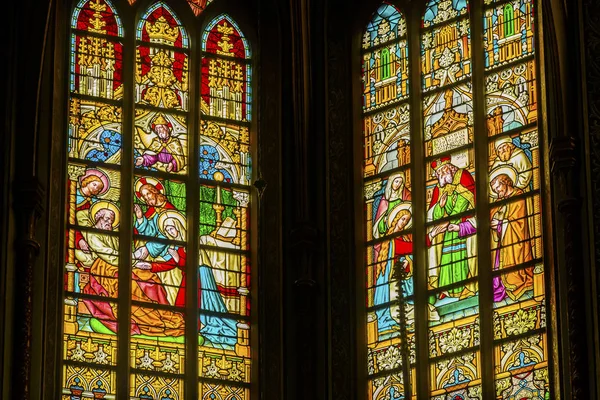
[(520, 322), (455, 340)]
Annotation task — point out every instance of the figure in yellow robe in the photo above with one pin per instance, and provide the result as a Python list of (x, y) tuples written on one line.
[(511, 237), (101, 260)]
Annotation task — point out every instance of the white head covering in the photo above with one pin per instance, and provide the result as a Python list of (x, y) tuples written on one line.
[(389, 190), (502, 140)]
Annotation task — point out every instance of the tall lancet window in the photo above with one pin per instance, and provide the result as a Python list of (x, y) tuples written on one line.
[(388, 205), (453, 204), (157, 243)]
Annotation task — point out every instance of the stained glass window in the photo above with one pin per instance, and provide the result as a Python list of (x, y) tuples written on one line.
[(388, 186), (473, 169), (157, 243)]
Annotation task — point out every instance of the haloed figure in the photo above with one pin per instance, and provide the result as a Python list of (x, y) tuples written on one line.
[(171, 270), (510, 234), (164, 150)]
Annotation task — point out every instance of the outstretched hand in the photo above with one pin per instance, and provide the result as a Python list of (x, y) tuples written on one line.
[(438, 229), (138, 211), (443, 199), (174, 254), (453, 227), (84, 246), (143, 265)]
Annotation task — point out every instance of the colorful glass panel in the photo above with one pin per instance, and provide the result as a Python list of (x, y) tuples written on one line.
[(521, 308), (150, 387), (522, 368), (386, 140), (385, 59), (157, 337), (161, 141), (513, 193), (440, 11), (160, 206), (448, 120), (94, 131), (96, 67), (161, 159), (446, 54), (511, 98), (93, 202), (387, 195), (225, 152), (451, 223), (458, 377), (226, 72), (225, 174), (387, 24), (389, 386), (224, 215), (198, 6), (508, 32), (217, 391), (516, 210), (79, 379), (160, 25), (97, 16), (222, 36), (162, 78)]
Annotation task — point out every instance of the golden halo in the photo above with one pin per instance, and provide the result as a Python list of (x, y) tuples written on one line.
[(99, 205), (399, 207), (503, 169), (169, 214), (101, 175), (148, 180)]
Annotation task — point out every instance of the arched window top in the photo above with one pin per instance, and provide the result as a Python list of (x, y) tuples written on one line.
[(222, 36), (160, 25), (471, 177), (97, 16), (439, 11), (198, 5), (167, 293), (386, 24), (385, 59)]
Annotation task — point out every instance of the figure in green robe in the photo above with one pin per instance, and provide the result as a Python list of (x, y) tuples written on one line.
[(451, 244)]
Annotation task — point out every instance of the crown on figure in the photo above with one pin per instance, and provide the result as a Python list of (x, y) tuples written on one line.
[(160, 120), (437, 164), (161, 32)]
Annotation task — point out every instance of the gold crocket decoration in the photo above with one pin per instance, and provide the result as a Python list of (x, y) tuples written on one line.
[(161, 75), (96, 22), (161, 32), (227, 140), (224, 44)]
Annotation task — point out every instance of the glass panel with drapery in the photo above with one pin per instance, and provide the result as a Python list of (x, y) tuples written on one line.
[(464, 289), (188, 180)]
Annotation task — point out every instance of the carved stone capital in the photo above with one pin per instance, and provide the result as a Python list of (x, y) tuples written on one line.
[(563, 153)]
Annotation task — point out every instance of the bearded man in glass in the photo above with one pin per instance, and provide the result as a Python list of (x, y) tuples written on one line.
[(451, 242), (164, 148)]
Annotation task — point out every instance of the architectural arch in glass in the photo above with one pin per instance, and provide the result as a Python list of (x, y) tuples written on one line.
[(473, 160), (188, 314)]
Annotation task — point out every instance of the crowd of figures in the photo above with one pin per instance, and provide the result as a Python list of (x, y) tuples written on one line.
[(159, 267), (451, 245)]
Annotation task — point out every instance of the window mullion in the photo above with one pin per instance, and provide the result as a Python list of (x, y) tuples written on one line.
[(126, 229), (418, 200), (193, 206), (486, 333)]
